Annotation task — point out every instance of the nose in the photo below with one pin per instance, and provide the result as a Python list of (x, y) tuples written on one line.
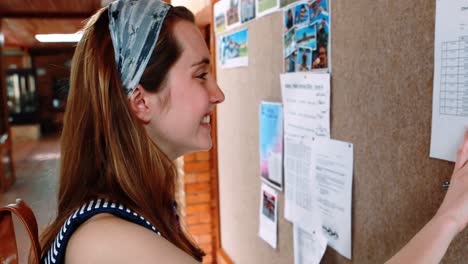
[(216, 96)]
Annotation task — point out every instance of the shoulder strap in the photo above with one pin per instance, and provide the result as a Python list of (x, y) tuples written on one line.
[(56, 252), (23, 212)]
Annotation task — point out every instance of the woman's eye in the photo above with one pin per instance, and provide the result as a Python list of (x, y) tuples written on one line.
[(202, 76)]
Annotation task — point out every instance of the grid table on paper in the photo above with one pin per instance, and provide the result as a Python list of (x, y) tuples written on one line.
[(454, 78)]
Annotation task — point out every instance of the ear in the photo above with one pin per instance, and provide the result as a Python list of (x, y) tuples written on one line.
[(139, 104)]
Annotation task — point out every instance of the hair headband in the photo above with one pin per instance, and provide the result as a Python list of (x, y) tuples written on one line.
[(134, 28)]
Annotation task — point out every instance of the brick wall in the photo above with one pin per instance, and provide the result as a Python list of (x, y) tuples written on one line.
[(198, 205)]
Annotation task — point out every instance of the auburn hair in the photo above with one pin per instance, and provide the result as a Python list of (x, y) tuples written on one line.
[(105, 150)]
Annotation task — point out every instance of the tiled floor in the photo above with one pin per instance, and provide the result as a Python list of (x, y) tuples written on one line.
[(36, 167)]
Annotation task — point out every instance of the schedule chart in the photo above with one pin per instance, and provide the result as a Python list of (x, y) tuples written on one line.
[(454, 77), (450, 96)]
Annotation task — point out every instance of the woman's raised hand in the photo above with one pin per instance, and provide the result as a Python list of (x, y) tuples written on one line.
[(429, 245), (455, 204)]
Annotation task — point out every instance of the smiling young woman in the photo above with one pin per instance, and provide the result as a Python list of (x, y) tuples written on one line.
[(141, 95)]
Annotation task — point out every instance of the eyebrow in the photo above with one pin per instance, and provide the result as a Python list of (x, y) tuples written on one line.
[(204, 61)]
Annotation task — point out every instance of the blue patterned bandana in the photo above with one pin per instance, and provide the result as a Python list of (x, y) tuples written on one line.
[(134, 27)]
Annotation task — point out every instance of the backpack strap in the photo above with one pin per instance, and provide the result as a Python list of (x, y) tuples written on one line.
[(7, 232)]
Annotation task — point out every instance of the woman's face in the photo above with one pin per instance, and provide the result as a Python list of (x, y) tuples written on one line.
[(181, 120)]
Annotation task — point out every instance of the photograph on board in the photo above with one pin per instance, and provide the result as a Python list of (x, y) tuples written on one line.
[(265, 7), (306, 37), (219, 12), (290, 62), (304, 59), (320, 58), (289, 42), (268, 205), (302, 14), (233, 49), (320, 18), (318, 10), (247, 10), (320, 55), (288, 19), (310, 22), (268, 215), (232, 14)]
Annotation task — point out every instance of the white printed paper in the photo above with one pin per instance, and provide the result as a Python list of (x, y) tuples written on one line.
[(306, 107), (309, 247), (268, 228), (332, 163), (450, 97), (321, 171), (298, 176), (306, 104), (309, 240)]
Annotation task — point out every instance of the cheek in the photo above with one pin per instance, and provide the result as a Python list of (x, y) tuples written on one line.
[(192, 98), (188, 106)]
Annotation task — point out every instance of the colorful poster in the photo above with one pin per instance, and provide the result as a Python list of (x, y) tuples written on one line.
[(306, 39), (233, 49), (271, 143), (265, 7), (247, 10)]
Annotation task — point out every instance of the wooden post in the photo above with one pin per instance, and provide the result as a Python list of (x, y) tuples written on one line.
[(214, 150), (221, 256)]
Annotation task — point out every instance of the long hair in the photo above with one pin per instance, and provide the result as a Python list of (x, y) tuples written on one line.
[(105, 150)]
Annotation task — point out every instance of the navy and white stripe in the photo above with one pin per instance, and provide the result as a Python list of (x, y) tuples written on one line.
[(56, 253)]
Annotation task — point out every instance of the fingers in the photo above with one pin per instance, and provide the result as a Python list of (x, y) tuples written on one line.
[(460, 174), (462, 153)]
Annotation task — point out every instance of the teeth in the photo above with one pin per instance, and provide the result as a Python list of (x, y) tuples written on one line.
[(206, 120)]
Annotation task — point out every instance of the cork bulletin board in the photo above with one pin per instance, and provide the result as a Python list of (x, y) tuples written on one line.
[(381, 101)]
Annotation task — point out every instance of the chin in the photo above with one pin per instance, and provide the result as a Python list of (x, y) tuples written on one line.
[(198, 148), (205, 146)]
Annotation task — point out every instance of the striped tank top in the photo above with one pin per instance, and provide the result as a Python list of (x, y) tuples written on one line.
[(56, 253)]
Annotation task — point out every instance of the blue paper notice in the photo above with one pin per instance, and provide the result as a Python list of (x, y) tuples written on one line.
[(271, 143)]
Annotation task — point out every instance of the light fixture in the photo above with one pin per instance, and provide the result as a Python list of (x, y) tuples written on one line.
[(58, 37)]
